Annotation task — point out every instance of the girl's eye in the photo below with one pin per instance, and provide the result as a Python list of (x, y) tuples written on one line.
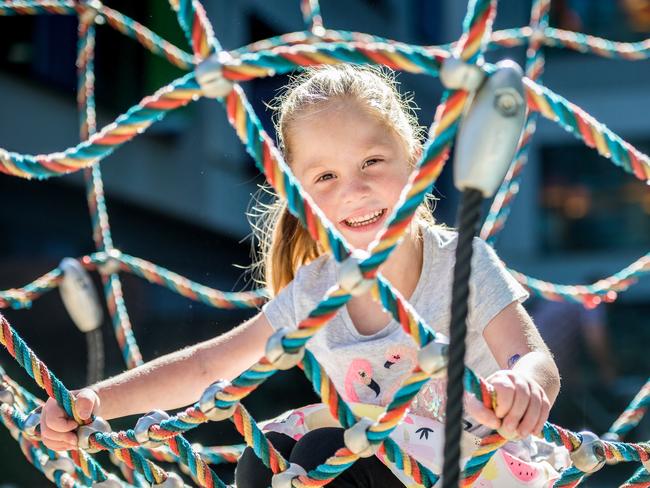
[(325, 177), (371, 162)]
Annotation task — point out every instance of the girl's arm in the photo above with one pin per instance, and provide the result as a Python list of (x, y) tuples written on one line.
[(171, 381), (528, 383), (178, 379)]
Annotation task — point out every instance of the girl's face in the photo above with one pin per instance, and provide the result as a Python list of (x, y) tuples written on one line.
[(352, 165)]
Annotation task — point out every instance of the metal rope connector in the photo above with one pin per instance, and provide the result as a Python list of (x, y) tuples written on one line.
[(111, 261), (209, 397), (85, 431), (32, 424), (490, 130), (6, 395), (209, 75), (143, 425), (64, 464), (277, 355), (433, 357), (590, 455), (283, 479), (173, 481), (356, 438), (456, 74), (91, 13), (351, 278), (79, 296)]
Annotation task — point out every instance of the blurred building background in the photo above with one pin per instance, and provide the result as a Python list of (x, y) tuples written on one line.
[(178, 194)]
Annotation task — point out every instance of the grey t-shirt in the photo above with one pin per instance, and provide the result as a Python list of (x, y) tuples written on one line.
[(370, 368)]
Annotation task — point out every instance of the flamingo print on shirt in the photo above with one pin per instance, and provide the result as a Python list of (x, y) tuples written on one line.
[(400, 360), (359, 383)]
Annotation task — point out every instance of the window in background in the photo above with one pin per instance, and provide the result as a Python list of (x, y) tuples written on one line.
[(43, 49), (588, 204), (618, 20)]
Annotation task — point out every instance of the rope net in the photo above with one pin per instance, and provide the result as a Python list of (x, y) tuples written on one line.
[(137, 453)]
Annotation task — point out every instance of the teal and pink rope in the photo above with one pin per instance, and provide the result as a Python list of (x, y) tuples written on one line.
[(282, 59)]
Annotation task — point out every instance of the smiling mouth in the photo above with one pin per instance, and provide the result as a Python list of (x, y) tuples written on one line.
[(367, 219)]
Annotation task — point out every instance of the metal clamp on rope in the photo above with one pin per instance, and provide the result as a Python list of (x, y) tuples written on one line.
[(91, 13), (111, 261), (356, 438), (85, 431), (32, 424), (433, 357), (79, 296), (64, 464), (111, 482), (351, 278), (143, 425), (209, 397), (283, 479), (173, 481), (490, 131), (590, 456), (456, 74), (277, 355), (6, 395), (209, 75)]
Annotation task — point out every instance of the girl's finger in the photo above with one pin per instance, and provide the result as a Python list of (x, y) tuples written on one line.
[(531, 416), (543, 414), (85, 401), (481, 414), (519, 406), (67, 437), (57, 420), (504, 389), (56, 445)]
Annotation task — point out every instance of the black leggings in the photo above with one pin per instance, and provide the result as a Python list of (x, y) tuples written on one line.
[(310, 451)]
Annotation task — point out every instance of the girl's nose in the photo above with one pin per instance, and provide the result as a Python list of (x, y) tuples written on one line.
[(356, 189)]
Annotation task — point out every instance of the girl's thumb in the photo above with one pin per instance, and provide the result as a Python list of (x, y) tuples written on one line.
[(85, 402)]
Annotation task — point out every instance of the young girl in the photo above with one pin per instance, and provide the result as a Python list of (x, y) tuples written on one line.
[(352, 141)]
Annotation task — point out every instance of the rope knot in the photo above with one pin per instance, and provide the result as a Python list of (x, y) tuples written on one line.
[(284, 478), (62, 463), (433, 358), (589, 457), (6, 395), (277, 355), (85, 431), (209, 75), (351, 277), (144, 424), (208, 402), (356, 438), (90, 12)]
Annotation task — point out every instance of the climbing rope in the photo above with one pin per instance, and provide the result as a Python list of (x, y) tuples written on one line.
[(222, 401)]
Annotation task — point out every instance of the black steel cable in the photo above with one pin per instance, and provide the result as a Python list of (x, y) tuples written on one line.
[(95, 348), (470, 211)]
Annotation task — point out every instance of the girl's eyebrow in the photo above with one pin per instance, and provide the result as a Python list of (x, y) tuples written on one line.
[(310, 168)]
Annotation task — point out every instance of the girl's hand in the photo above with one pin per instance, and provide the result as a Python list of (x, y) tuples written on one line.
[(521, 408), (57, 429)]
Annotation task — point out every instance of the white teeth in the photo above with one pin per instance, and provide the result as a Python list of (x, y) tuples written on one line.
[(365, 219)]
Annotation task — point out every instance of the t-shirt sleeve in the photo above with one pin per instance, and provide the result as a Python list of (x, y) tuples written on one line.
[(492, 287), (280, 311)]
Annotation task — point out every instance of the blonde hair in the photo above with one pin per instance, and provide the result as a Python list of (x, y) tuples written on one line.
[(285, 244)]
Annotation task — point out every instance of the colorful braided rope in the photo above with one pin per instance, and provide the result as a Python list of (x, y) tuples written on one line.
[(278, 56)]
